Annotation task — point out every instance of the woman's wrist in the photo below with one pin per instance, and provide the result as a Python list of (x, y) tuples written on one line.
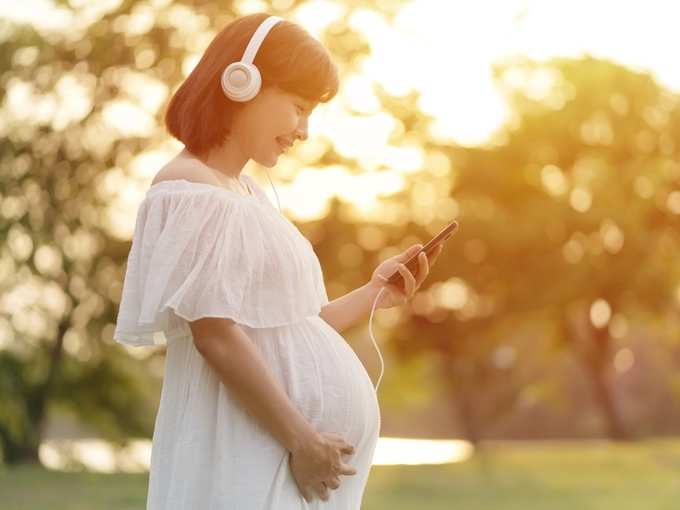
[(301, 437), (372, 287)]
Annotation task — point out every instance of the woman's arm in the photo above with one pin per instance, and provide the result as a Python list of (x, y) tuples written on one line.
[(347, 310), (241, 367), (315, 457)]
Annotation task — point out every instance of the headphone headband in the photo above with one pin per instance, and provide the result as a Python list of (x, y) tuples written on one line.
[(258, 37), (241, 81)]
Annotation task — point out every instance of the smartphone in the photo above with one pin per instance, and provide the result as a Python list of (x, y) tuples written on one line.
[(412, 263)]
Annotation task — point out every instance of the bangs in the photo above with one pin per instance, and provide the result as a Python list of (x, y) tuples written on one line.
[(299, 64)]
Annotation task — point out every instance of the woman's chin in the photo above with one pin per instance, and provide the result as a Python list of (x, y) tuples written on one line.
[(268, 162)]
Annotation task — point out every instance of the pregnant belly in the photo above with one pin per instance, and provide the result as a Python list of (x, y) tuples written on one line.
[(324, 378), (232, 458)]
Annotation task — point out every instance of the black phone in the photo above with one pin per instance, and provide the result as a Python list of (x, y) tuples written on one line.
[(412, 263)]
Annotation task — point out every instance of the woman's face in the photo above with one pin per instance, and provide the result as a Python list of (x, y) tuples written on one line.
[(267, 125)]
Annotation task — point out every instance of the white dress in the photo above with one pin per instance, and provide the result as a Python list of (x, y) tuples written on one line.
[(205, 251)]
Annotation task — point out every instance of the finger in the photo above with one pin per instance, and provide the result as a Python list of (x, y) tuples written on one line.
[(347, 448), (322, 491), (409, 281), (343, 445), (307, 495), (435, 254), (306, 490), (333, 482), (346, 469), (424, 268)]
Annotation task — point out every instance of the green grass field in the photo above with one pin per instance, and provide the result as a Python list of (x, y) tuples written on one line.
[(523, 476)]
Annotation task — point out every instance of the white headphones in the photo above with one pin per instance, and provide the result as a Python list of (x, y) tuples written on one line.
[(241, 81)]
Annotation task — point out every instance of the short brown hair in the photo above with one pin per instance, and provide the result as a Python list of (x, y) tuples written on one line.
[(290, 58)]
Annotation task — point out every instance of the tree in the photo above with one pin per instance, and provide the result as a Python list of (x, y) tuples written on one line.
[(569, 217)]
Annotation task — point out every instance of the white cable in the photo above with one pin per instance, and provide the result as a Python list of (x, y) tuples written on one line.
[(375, 301), (274, 188), (370, 332)]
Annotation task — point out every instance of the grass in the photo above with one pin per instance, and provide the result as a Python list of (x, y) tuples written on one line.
[(509, 476), (538, 476)]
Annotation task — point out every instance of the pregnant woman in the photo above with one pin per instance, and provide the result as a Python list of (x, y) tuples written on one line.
[(264, 405)]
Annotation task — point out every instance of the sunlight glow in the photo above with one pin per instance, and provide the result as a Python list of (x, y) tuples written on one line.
[(443, 51), (452, 46), (395, 450), (600, 313), (69, 102), (96, 455), (316, 16), (452, 294), (581, 199), (315, 187), (357, 92), (624, 360), (102, 456), (148, 92), (554, 181), (612, 236), (127, 118)]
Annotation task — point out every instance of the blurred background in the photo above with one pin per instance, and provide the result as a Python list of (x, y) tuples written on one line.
[(538, 365)]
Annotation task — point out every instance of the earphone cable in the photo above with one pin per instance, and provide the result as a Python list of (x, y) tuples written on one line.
[(278, 202), (375, 301), (370, 332)]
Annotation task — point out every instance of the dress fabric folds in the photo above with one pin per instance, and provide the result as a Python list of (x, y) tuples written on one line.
[(200, 250)]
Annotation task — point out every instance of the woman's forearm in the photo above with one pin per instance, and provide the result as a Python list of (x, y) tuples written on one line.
[(241, 367), (347, 310)]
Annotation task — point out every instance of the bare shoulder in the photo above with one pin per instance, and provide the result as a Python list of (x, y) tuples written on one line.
[(184, 168)]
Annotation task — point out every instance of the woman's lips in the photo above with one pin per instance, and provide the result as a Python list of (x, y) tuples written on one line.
[(283, 145)]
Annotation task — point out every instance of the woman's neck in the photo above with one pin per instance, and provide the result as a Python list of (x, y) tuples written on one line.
[(211, 160)]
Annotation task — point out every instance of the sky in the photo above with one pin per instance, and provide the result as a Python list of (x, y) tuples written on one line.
[(445, 50)]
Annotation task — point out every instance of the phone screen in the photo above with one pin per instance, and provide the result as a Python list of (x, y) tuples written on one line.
[(411, 263)]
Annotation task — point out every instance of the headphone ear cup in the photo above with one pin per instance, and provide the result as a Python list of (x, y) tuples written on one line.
[(241, 81)]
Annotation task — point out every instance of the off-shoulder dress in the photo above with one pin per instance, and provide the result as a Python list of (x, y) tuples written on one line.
[(201, 250)]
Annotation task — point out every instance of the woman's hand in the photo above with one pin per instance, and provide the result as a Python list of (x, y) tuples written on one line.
[(317, 464), (394, 294)]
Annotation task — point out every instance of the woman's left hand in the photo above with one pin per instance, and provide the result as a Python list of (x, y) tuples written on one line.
[(394, 294)]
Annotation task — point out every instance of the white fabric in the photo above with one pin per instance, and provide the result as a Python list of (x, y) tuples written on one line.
[(200, 250)]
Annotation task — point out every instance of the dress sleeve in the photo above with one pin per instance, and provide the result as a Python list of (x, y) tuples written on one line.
[(199, 251)]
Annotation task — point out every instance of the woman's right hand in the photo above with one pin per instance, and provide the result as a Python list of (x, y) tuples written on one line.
[(318, 462)]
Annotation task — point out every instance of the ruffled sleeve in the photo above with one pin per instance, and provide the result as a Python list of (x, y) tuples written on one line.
[(203, 251)]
